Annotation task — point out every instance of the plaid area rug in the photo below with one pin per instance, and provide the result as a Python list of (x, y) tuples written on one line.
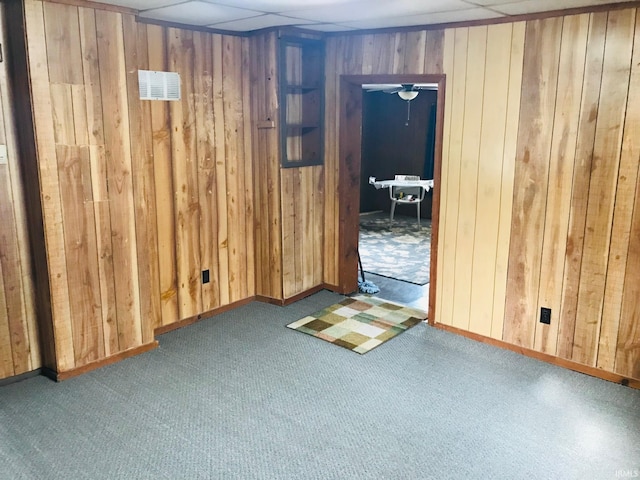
[(399, 250), (359, 323)]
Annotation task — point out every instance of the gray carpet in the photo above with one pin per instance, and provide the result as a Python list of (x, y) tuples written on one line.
[(241, 396)]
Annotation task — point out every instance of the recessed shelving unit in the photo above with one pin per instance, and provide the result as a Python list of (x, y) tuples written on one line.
[(301, 101)]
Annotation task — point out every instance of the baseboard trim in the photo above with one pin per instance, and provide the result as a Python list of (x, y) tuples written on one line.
[(337, 289), (270, 300), (196, 318), (20, 377), (74, 372), (545, 357), (288, 301)]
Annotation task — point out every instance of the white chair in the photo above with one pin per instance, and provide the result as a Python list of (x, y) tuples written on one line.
[(406, 194)]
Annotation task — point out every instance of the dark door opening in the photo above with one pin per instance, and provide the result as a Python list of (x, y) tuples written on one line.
[(397, 139), (350, 154)]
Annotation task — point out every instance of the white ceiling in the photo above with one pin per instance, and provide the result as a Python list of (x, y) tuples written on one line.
[(337, 15)]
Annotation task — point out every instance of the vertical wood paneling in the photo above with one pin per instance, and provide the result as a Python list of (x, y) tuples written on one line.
[(489, 176), (434, 52), (273, 170), (446, 195), (382, 53), (229, 89), (231, 84), (620, 331), (63, 43), (62, 109), (248, 174), (49, 186), (298, 230), (91, 76), (259, 109), (508, 175), (12, 306), (91, 100), (82, 256), (317, 188), (307, 246), (221, 167), (206, 138), (515, 233), (118, 151), (6, 354), (531, 176), (330, 163), (561, 166), (469, 157), (136, 57), (602, 186), (628, 339), (163, 178), (414, 53), (185, 175), (104, 247), (452, 152), (19, 347), (581, 177), (288, 231), (348, 160), (125, 182), (188, 174)]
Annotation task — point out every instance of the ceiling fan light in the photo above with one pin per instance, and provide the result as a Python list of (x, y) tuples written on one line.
[(408, 94)]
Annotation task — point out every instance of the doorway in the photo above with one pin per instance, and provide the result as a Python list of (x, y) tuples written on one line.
[(397, 139), (350, 152)]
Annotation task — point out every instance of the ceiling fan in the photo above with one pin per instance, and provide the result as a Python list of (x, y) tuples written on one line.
[(406, 91)]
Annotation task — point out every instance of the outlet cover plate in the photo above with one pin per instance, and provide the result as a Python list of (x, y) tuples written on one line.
[(545, 315)]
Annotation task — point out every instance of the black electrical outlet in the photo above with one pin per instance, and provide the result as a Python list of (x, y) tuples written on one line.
[(205, 276), (545, 315)]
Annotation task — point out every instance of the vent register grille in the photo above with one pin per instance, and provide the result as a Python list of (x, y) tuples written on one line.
[(159, 85)]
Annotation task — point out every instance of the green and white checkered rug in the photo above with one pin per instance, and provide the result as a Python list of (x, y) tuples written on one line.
[(359, 323)]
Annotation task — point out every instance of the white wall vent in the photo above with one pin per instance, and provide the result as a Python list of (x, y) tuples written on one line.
[(159, 85)]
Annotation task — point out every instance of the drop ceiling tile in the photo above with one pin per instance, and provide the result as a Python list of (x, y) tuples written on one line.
[(141, 4), (198, 13), (535, 6), (426, 19), (256, 23), (372, 9), (329, 27), (277, 6), (491, 3)]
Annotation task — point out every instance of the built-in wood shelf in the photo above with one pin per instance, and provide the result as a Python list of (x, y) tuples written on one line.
[(301, 101)]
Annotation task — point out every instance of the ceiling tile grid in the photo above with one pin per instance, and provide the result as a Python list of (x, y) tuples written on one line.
[(337, 15)]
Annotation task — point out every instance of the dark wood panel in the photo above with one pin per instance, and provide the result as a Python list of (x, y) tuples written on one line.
[(603, 184), (531, 178), (581, 176)]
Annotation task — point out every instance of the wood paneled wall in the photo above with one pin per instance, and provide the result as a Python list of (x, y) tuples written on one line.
[(539, 186), (290, 215), (19, 345), (539, 200), (385, 53), (484, 72), (138, 197), (573, 247)]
